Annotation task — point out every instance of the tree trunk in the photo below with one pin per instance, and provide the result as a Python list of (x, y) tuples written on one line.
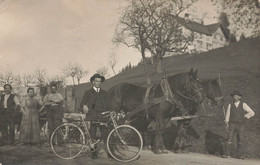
[(73, 80), (146, 71), (113, 70), (159, 65), (152, 59)]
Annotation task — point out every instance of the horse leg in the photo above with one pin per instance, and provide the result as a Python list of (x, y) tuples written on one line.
[(158, 135), (162, 146), (179, 141), (146, 140)]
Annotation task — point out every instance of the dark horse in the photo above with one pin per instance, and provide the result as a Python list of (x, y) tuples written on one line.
[(213, 91), (128, 97)]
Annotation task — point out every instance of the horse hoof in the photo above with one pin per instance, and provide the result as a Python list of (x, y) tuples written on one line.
[(164, 151), (178, 151), (149, 147), (157, 152)]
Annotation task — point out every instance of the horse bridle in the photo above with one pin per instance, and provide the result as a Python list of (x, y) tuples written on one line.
[(216, 98), (195, 89)]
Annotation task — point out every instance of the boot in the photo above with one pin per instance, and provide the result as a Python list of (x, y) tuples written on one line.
[(227, 151), (241, 154), (94, 155)]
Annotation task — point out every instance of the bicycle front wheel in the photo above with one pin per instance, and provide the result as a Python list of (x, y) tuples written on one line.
[(67, 141), (124, 143)]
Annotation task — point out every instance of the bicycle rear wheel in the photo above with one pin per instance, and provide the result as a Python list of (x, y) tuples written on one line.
[(67, 141), (124, 143)]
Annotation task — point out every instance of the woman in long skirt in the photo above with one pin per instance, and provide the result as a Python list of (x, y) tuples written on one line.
[(30, 128)]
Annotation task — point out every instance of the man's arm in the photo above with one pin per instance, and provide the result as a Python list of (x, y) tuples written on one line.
[(46, 100), (17, 102), (83, 103), (250, 113), (58, 98)]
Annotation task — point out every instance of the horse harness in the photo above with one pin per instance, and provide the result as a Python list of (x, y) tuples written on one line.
[(168, 96)]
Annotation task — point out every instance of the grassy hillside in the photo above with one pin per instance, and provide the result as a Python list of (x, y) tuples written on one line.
[(239, 67)]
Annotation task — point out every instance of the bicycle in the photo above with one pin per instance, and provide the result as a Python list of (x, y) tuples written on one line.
[(124, 143)]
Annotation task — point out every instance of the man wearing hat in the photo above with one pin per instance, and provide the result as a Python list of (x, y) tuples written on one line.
[(94, 102), (237, 113)]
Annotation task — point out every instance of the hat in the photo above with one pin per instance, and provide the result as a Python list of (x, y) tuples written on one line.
[(97, 76), (235, 93)]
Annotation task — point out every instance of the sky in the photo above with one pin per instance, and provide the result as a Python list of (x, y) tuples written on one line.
[(52, 33)]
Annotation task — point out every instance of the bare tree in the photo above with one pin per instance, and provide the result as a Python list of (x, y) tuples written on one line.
[(40, 76), (75, 71), (103, 71), (112, 62), (25, 80), (153, 25), (7, 78), (3, 5)]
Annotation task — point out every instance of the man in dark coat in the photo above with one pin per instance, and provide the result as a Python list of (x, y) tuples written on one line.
[(94, 102), (8, 104)]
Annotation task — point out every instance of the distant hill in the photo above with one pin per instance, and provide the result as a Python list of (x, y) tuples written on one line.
[(239, 68), (237, 59)]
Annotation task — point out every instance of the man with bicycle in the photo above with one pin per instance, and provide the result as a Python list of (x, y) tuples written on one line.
[(94, 102)]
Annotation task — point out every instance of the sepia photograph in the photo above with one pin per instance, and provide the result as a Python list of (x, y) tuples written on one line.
[(140, 82)]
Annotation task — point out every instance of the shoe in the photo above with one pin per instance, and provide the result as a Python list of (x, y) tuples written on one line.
[(241, 157), (226, 156), (94, 155), (109, 156), (12, 144)]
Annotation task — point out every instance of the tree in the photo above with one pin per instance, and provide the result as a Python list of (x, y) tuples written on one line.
[(112, 62), (242, 37), (3, 5), (40, 76), (103, 71), (153, 25), (25, 80), (223, 19), (243, 16), (75, 71), (7, 78)]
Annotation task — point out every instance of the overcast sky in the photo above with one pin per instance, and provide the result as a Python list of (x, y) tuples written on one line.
[(50, 33)]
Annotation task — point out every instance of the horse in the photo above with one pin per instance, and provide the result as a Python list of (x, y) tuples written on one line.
[(213, 91), (128, 97)]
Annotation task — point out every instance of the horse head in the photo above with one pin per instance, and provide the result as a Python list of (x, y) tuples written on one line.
[(213, 91), (193, 87), (188, 87)]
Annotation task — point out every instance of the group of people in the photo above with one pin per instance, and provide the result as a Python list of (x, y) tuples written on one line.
[(94, 102), (30, 107)]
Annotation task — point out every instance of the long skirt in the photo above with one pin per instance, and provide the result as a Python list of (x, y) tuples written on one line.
[(30, 128)]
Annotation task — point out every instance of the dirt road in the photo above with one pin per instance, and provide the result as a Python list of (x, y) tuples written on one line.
[(30, 155)]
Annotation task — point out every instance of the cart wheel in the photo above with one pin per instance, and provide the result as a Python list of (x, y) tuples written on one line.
[(67, 141), (124, 143)]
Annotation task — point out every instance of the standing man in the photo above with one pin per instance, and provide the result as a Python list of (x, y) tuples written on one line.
[(94, 102), (8, 104), (237, 113), (53, 103)]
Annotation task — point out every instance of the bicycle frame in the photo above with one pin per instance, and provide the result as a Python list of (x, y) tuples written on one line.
[(90, 142)]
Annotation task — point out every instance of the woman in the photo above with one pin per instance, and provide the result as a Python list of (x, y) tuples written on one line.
[(30, 128)]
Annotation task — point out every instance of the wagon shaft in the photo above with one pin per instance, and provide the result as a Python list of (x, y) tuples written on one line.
[(190, 117)]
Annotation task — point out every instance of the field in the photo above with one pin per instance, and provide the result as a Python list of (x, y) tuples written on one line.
[(239, 68)]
